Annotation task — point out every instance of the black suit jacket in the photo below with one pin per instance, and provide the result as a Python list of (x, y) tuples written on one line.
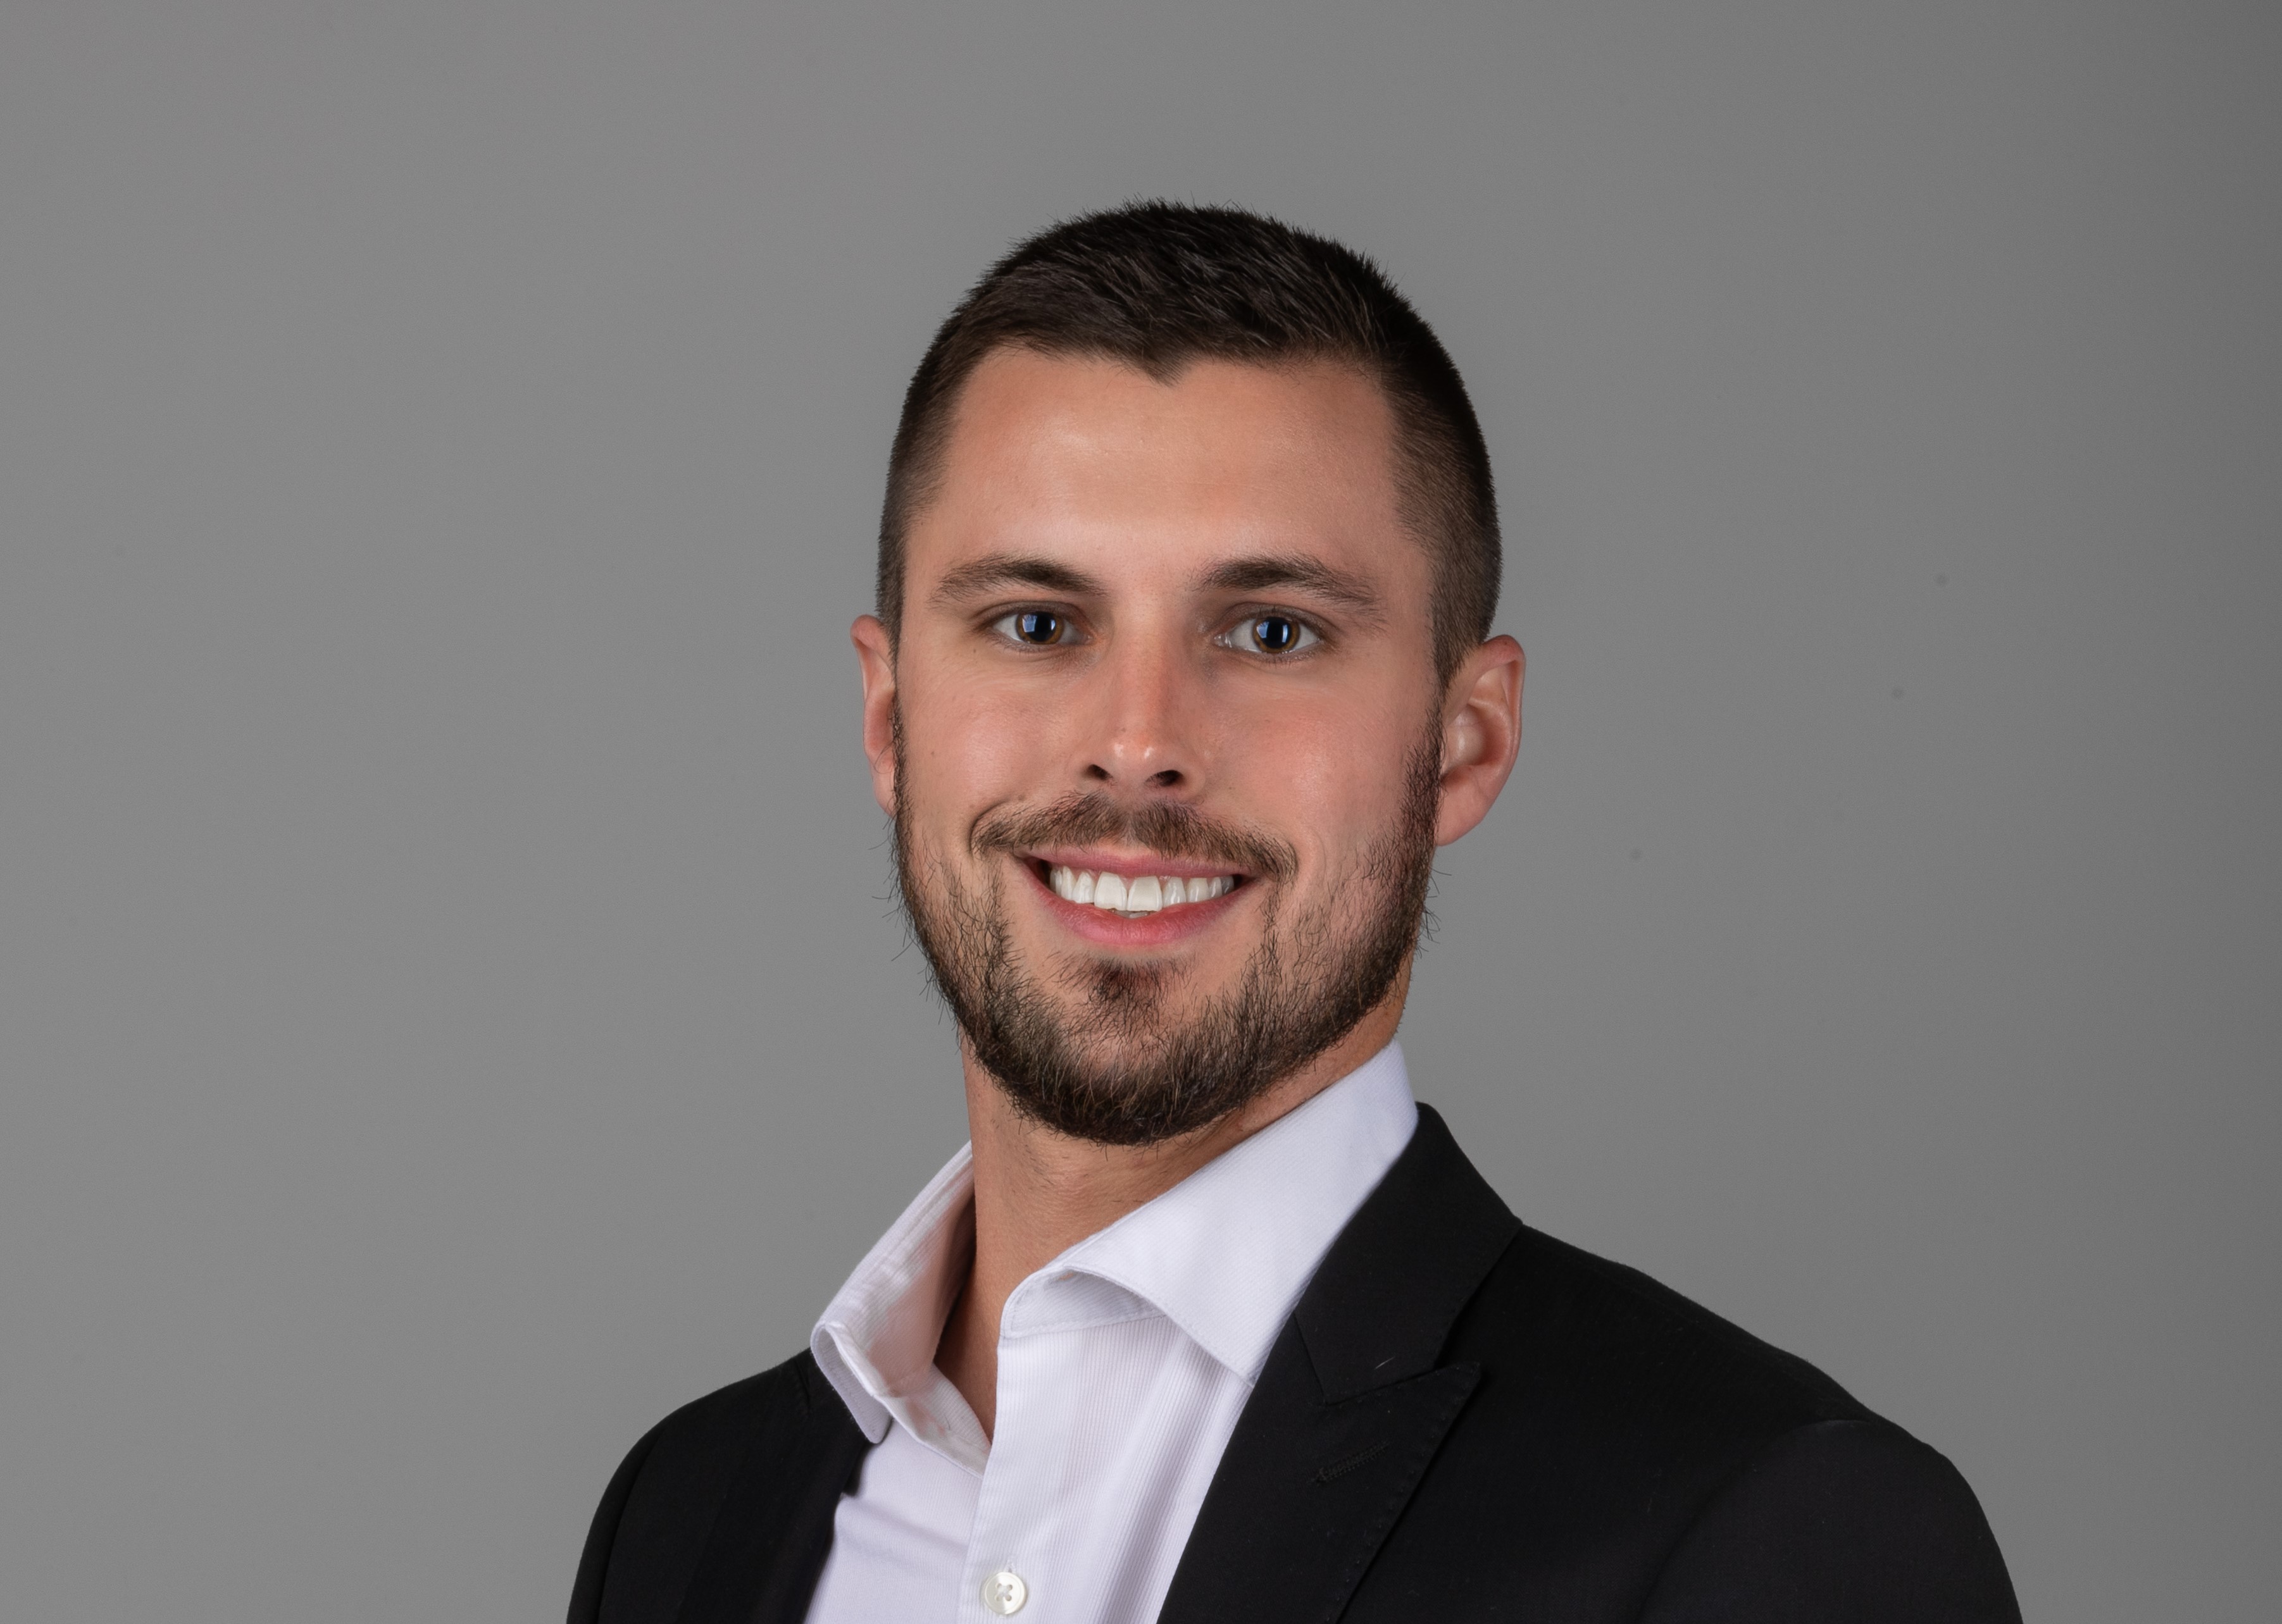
[(1462, 1419)]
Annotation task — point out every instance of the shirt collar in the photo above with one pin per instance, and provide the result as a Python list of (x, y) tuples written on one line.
[(1224, 1255), (876, 1340)]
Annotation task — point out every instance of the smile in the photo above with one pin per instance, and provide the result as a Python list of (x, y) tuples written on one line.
[(1143, 894)]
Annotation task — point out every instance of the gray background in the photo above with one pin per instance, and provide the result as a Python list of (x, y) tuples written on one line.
[(448, 1011)]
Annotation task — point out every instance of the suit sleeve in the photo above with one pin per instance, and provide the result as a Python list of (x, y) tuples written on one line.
[(602, 1534), (1852, 1521)]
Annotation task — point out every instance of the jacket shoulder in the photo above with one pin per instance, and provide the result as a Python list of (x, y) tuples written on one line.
[(652, 1531), (1842, 1519), (1616, 1335), (1609, 1412)]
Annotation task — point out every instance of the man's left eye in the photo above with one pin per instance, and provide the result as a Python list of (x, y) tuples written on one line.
[(1271, 634), (1038, 628)]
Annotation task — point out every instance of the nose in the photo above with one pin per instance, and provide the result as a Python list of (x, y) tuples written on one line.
[(1141, 734)]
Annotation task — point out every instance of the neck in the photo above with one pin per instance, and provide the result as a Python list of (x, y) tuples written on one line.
[(1038, 1193)]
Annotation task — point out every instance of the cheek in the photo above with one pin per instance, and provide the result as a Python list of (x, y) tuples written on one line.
[(1332, 777), (967, 749)]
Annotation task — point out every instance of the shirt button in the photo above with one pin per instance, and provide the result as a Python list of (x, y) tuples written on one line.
[(1003, 1592)]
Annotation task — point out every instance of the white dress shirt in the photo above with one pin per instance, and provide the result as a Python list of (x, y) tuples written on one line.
[(1122, 1366)]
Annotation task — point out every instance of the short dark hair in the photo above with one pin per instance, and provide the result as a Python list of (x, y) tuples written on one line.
[(1158, 285)]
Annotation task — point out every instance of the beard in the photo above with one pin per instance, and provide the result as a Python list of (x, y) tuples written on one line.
[(1099, 1049)]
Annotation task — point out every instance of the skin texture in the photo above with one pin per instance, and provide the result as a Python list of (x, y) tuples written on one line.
[(1160, 519)]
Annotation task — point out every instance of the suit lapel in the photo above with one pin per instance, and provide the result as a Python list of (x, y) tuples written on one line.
[(774, 1527), (1307, 1492), (1353, 1402)]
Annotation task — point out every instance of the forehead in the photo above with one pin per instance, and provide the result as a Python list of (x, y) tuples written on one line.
[(1095, 461)]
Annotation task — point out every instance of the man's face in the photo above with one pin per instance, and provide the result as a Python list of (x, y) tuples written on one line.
[(1165, 737)]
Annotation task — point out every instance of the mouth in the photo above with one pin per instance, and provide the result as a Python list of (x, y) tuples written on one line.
[(1106, 892), (1134, 895)]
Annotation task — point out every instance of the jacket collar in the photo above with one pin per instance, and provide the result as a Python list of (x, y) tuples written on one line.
[(773, 1527), (1381, 1306), (1353, 1404)]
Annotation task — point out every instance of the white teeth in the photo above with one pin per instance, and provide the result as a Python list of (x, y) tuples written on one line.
[(1145, 894)]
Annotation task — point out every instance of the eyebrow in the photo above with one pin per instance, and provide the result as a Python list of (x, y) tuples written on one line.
[(996, 570), (1266, 572), (1261, 572)]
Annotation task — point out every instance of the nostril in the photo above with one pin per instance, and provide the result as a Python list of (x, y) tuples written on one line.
[(1165, 779)]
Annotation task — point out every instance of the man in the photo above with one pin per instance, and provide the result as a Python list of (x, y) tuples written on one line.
[(1181, 672)]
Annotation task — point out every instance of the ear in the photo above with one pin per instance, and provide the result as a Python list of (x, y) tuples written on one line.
[(1481, 730), (876, 650)]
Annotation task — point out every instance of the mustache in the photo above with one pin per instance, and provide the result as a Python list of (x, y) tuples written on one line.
[(1166, 829)]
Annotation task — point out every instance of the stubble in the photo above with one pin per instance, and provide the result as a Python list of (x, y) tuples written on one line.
[(1106, 1050)]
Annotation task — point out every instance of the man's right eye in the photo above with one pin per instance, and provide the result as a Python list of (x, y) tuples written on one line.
[(1039, 628)]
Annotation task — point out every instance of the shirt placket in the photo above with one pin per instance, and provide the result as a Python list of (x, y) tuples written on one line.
[(1034, 1500)]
